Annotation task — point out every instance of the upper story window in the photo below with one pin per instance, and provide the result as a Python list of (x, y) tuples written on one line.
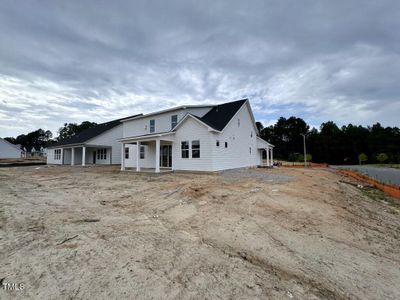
[(152, 126), (126, 152), (250, 149), (196, 149), (226, 144), (217, 143), (142, 152), (174, 121), (185, 149)]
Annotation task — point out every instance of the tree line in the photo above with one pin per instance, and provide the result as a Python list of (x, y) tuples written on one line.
[(349, 144), (43, 138)]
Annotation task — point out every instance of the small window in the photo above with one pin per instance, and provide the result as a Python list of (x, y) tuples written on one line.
[(226, 144), (142, 151), (185, 149), (238, 122), (217, 143), (250, 149), (126, 152), (196, 149), (152, 126), (174, 121)]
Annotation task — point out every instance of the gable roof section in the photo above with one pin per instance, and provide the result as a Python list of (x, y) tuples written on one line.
[(220, 115), (18, 147), (90, 133)]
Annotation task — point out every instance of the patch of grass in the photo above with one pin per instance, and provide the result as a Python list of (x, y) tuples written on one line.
[(379, 196)]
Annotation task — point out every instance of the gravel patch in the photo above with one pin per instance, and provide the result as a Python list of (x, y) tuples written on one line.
[(261, 175)]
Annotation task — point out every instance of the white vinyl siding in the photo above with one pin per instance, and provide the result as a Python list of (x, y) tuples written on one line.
[(51, 157), (141, 126), (109, 139), (192, 130), (8, 150), (238, 140)]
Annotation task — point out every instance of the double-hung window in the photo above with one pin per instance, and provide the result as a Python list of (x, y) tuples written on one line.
[(126, 152), (174, 121), (185, 149), (152, 126), (57, 154), (142, 152), (102, 153), (196, 149)]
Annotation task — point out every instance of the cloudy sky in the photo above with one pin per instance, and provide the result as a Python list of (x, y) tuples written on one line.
[(70, 61)]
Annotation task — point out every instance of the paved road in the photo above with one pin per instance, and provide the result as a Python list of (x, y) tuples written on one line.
[(386, 175)]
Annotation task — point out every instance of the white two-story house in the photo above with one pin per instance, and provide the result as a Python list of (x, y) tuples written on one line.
[(194, 138)]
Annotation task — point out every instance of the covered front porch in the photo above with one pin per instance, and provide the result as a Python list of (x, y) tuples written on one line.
[(267, 157), (86, 155), (266, 152), (150, 153)]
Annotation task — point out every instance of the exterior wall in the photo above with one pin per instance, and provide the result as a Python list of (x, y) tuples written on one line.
[(67, 156), (108, 138), (141, 126), (192, 130), (240, 140), (7, 150), (78, 156), (50, 157), (149, 160)]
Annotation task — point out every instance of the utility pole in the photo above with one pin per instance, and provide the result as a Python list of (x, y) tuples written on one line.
[(305, 152)]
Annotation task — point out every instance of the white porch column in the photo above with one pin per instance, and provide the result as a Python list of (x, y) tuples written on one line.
[(62, 156), (267, 151), (157, 156), (272, 156), (123, 157), (83, 156), (138, 157), (72, 156)]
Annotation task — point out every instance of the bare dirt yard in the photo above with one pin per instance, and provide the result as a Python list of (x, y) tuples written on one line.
[(97, 233)]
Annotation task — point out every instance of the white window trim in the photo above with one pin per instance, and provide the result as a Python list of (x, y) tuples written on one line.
[(152, 128), (186, 150), (142, 152), (191, 148)]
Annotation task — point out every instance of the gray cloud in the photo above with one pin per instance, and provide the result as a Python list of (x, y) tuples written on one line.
[(69, 61)]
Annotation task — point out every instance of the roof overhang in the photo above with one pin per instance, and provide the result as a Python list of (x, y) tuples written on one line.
[(80, 145), (166, 110), (146, 137), (261, 143)]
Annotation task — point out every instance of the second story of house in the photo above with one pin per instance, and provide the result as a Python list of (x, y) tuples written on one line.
[(161, 121)]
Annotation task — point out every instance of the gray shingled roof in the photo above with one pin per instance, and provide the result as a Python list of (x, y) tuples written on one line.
[(90, 133), (220, 115)]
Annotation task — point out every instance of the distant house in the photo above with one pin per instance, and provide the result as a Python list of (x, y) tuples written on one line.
[(97, 145), (9, 150), (195, 138)]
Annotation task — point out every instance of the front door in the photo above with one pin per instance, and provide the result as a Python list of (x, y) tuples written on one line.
[(166, 156)]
